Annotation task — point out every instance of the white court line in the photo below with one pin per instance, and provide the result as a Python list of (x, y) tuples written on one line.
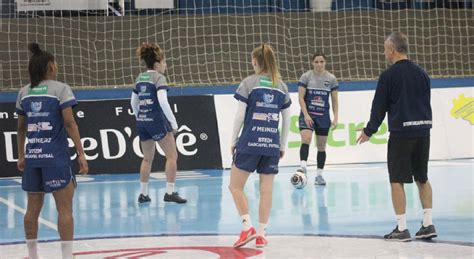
[(154, 180), (436, 163), (10, 186), (182, 176), (331, 168), (23, 211)]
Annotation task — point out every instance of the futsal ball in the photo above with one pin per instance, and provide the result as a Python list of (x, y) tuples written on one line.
[(298, 179)]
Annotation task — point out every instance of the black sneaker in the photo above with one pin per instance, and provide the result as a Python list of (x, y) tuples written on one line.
[(397, 235), (174, 197), (142, 198), (428, 232)]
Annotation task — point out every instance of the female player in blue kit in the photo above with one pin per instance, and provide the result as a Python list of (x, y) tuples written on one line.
[(45, 117), (261, 98), (155, 120), (314, 89)]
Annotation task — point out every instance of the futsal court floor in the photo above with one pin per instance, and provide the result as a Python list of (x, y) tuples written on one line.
[(344, 219)]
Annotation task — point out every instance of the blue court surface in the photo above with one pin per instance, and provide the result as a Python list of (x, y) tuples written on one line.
[(344, 219)]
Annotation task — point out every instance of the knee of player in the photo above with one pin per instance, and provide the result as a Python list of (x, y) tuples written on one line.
[(172, 158), (321, 148), (64, 212), (234, 189), (30, 217), (147, 159)]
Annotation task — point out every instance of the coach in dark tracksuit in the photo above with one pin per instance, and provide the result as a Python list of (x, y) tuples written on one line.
[(403, 91)]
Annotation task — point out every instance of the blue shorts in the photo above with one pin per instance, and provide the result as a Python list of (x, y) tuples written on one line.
[(153, 131), (46, 179), (318, 128), (263, 164)]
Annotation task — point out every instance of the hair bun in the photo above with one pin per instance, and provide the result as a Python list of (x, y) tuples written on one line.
[(34, 48)]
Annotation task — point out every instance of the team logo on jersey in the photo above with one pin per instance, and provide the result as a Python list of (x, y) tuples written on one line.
[(143, 88), (265, 116), (268, 98), (326, 83), (36, 106), (267, 101)]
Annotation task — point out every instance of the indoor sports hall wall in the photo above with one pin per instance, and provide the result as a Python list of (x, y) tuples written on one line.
[(205, 119), (452, 132)]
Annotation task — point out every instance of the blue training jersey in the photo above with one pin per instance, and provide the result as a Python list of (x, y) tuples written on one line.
[(318, 90), (264, 102), (147, 85), (47, 144)]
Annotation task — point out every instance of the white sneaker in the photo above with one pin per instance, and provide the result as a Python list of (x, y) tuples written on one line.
[(319, 180)]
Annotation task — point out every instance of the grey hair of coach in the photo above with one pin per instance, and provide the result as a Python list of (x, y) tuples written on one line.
[(400, 42)]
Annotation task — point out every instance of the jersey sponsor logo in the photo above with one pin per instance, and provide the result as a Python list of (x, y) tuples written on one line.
[(37, 114), (316, 113), (274, 167), (35, 150), (318, 92), (264, 129), (263, 145), (265, 140), (417, 123), (266, 105), (145, 77), (143, 117), (40, 89), (37, 153), (318, 101), (265, 81), (145, 102), (159, 136), (39, 140), (265, 116), (40, 126), (143, 88), (55, 183)]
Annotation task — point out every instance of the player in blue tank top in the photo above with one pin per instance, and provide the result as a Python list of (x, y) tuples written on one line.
[(45, 119), (261, 98), (155, 121), (314, 89)]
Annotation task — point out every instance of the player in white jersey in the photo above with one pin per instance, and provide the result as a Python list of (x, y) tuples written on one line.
[(155, 121), (314, 89), (261, 98), (45, 117)]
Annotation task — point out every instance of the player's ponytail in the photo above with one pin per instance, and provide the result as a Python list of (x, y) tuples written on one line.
[(150, 53), (38, 64), (266, 60)]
